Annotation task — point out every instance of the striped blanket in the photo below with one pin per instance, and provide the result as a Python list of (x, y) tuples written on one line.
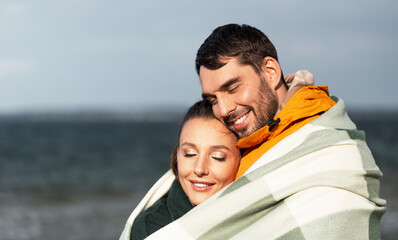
[(321, 182)]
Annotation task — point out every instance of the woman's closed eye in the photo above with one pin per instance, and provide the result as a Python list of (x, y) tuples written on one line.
[(190, 153), (218, 156)]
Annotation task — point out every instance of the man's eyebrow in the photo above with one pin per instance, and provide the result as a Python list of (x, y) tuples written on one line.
[(222, 88), (228, 84), (207, 96)]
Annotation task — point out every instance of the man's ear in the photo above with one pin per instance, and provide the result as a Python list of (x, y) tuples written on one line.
[(272, 72)]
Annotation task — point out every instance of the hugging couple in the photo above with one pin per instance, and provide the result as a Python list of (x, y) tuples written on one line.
[(262, 156)]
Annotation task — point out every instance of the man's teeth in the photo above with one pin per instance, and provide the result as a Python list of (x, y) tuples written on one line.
[(201, 185), (240, 120)]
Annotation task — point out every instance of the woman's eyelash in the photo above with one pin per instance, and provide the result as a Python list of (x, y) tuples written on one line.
[(219, 158), (189, 154)]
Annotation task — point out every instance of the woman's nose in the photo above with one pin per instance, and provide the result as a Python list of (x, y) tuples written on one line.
[(201, 169)]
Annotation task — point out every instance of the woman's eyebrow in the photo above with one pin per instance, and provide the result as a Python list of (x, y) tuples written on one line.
[(217, 147), (188, 144)]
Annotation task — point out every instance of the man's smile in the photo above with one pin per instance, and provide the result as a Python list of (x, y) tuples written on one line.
[(241, 122), (238, 119)]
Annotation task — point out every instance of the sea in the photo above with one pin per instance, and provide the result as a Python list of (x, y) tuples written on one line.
[(79, 176)]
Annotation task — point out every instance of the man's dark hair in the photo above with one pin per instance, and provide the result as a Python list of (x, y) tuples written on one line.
[(248, 44)]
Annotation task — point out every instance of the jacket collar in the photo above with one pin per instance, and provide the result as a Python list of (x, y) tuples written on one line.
[(306, 102)]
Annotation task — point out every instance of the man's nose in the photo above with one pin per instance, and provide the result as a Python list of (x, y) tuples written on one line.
[(201, 168), (226, 106)]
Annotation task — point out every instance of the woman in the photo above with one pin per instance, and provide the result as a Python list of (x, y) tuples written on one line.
[(204, 161)]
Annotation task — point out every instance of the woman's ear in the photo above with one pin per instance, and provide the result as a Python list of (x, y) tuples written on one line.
[(272, 72)]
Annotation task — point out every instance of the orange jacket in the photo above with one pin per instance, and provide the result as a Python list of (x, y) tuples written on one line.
[(304, 106)]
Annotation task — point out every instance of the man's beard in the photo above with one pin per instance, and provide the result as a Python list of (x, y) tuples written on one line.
[(267, 104), (264, 109)]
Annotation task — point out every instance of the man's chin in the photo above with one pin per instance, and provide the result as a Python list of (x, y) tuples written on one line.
[(241, 133)]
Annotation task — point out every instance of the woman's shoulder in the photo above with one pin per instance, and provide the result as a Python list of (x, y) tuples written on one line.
[(167, 209), (151, 220)]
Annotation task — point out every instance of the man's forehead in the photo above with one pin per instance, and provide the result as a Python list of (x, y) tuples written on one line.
[(213, 79)]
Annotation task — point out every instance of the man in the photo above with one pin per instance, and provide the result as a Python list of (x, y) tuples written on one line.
[(306, 171), (240, 74)]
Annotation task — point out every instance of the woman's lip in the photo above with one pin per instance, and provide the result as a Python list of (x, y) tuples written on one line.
[(201, 182), (201, 186)]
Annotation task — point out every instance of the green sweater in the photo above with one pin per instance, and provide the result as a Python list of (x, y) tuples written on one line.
[(167, 209)]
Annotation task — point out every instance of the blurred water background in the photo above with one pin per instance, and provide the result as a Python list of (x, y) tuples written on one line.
[(78, 176)]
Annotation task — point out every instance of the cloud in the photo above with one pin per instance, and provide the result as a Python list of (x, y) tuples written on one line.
[(357, 45), (15, 67), (13, 8), (110, 44)]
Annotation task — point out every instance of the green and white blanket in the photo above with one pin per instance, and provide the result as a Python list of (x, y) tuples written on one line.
[(321, 182)]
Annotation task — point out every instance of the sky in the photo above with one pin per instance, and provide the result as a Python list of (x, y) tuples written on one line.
[(126, 54)]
